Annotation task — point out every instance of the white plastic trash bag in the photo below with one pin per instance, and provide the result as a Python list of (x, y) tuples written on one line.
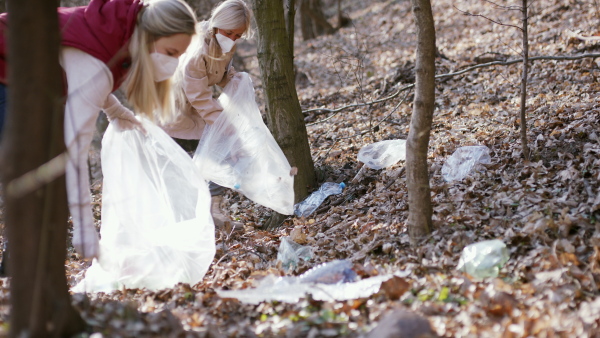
[(383, 154), (238, 151), (156, 230), (464, 160)]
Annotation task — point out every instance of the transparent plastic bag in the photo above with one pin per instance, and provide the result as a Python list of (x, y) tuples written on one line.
[(383, 154), (156, 229), (312, 202), (331, 281), (483, 259), (464, 160), (290, 253), (238, 151)]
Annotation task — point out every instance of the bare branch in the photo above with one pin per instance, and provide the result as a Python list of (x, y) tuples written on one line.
[(506, 63), (509, 8), (485, 17), (442, 76), (380, 121)]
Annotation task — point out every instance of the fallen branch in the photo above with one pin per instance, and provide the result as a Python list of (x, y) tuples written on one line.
[(442, 76)]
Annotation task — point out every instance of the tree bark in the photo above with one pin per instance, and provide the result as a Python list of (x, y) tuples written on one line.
[(419, 194), (284, 114), (36, 221), (524, 145), (312, 20), (289, 22)]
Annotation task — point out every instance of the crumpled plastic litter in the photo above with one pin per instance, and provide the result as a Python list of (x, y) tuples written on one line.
[(334, 272), (238, 151), (290, 253), (314, 200), (328, 282), (382, 154), (156, 229), (464, 160), (483, 259)]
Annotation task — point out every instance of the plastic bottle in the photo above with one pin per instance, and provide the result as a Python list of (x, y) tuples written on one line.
[(312, 202), (338, 271), (483, 259)]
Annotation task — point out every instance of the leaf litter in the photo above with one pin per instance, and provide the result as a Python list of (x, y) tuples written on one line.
[(546, 210)]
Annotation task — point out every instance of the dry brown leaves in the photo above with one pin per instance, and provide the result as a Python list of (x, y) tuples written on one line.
[(546, 210)]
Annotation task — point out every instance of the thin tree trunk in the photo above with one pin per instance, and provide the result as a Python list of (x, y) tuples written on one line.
[(36, 221), (524, 145), (419, 195), (291, 14), (284, 114), (312, 20)]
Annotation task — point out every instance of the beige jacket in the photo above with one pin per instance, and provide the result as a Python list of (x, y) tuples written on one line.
[(201, 107)]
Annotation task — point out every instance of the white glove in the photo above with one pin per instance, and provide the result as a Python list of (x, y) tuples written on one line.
[(116, 111)]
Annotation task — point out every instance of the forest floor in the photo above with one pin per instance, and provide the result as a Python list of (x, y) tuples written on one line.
[(546, 210)]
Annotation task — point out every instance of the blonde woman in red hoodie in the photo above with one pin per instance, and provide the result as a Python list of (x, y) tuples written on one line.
[(106, 44)]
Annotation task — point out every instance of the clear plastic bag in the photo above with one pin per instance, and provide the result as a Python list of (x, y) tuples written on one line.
[(483, 259), (312, 202), (383, 154), (156, 230), (290, 253), (464, 160), (238, 151), (331, 281)]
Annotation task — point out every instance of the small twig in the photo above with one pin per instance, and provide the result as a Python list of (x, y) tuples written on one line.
[(395, 178), (377, 125), (485, 17), (509, 8), (327, 153)]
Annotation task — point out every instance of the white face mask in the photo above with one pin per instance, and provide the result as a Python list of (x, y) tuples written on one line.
[(225, 42), (164, 66)]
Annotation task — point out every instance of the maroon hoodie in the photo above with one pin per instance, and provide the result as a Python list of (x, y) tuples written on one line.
[(102, 29)]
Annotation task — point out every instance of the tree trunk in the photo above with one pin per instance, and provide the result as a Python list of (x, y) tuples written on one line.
[(419, 195), (524, 145), (36, 220), (284, 114), (289, 22), (312, 20)]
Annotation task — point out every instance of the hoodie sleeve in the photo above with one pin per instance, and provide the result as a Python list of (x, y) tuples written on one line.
[(90, 83), (198, 90)]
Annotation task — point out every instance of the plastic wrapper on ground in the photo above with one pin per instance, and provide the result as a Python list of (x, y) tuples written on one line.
[(238, 151), (290, 253), (328, 282), (156, 226), (314, 200), (383, 154), (464, 160), (483, 259)]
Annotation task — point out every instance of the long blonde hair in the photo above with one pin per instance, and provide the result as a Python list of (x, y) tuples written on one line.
[(229, 14), (159, 18)]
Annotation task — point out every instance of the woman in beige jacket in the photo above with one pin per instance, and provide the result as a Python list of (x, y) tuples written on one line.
[(208, 63)]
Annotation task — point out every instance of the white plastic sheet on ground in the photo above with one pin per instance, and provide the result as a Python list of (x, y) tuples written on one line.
[(238, 151), (382, 154), (156, 229), (464, 160), (292, 289)]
